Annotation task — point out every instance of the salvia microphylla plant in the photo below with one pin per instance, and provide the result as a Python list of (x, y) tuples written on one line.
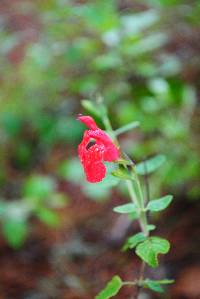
[(97, 147)]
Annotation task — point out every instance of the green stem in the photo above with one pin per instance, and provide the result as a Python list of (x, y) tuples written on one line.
[(135, 192), (106, 120), (134, 188), (132, 283)]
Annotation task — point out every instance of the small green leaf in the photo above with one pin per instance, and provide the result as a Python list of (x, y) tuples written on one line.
[(111, 289), (160, 203), (15, 232), (38, 186), (123, 174), (150, 165), (133, 241), (127, 127), (150, 248), (125, 209), (153, 285), (123, 162), (150, 227), (48, 217)]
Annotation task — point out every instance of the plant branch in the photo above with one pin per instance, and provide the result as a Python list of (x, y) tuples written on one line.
[(135, 192)]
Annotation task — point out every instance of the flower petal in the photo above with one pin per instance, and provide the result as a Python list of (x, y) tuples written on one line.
[(95, 172), (92, 154), (111, 152), (88, 121)]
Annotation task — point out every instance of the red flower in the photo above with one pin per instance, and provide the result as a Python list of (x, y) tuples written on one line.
[(95, 148)]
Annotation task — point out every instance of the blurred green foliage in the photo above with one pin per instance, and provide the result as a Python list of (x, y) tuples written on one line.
[(133, 55)]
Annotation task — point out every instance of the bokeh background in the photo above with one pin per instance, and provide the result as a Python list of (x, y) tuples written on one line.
[(59, 237)]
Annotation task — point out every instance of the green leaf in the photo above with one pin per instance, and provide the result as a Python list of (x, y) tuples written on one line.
[(133, 216), (111, 289), (38, 186), (153, 285), (137, 22), (150, 227), (123, 162), (160, 203), (15, 232), (150, 165), (149, 250), (123, 174), (71, 170), (48, 217), (125, 209), (133, 241), (127, 128)]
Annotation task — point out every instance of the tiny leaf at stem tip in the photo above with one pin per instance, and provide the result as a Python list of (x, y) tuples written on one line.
[(123, 162), (123, 174), (90, 107), (127, 128)]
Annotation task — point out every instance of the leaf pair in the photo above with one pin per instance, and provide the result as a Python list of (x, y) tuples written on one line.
[(134, 240), (154, 205), (112, 288)]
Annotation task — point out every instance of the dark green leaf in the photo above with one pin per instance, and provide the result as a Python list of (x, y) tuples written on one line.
[(111, 289)]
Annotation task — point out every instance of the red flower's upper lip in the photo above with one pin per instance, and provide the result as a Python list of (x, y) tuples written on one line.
[(88, 121), (93, 155)]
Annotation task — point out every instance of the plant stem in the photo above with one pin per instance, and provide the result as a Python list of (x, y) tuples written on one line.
[(134, 188), (147, 183), (135, 192)]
